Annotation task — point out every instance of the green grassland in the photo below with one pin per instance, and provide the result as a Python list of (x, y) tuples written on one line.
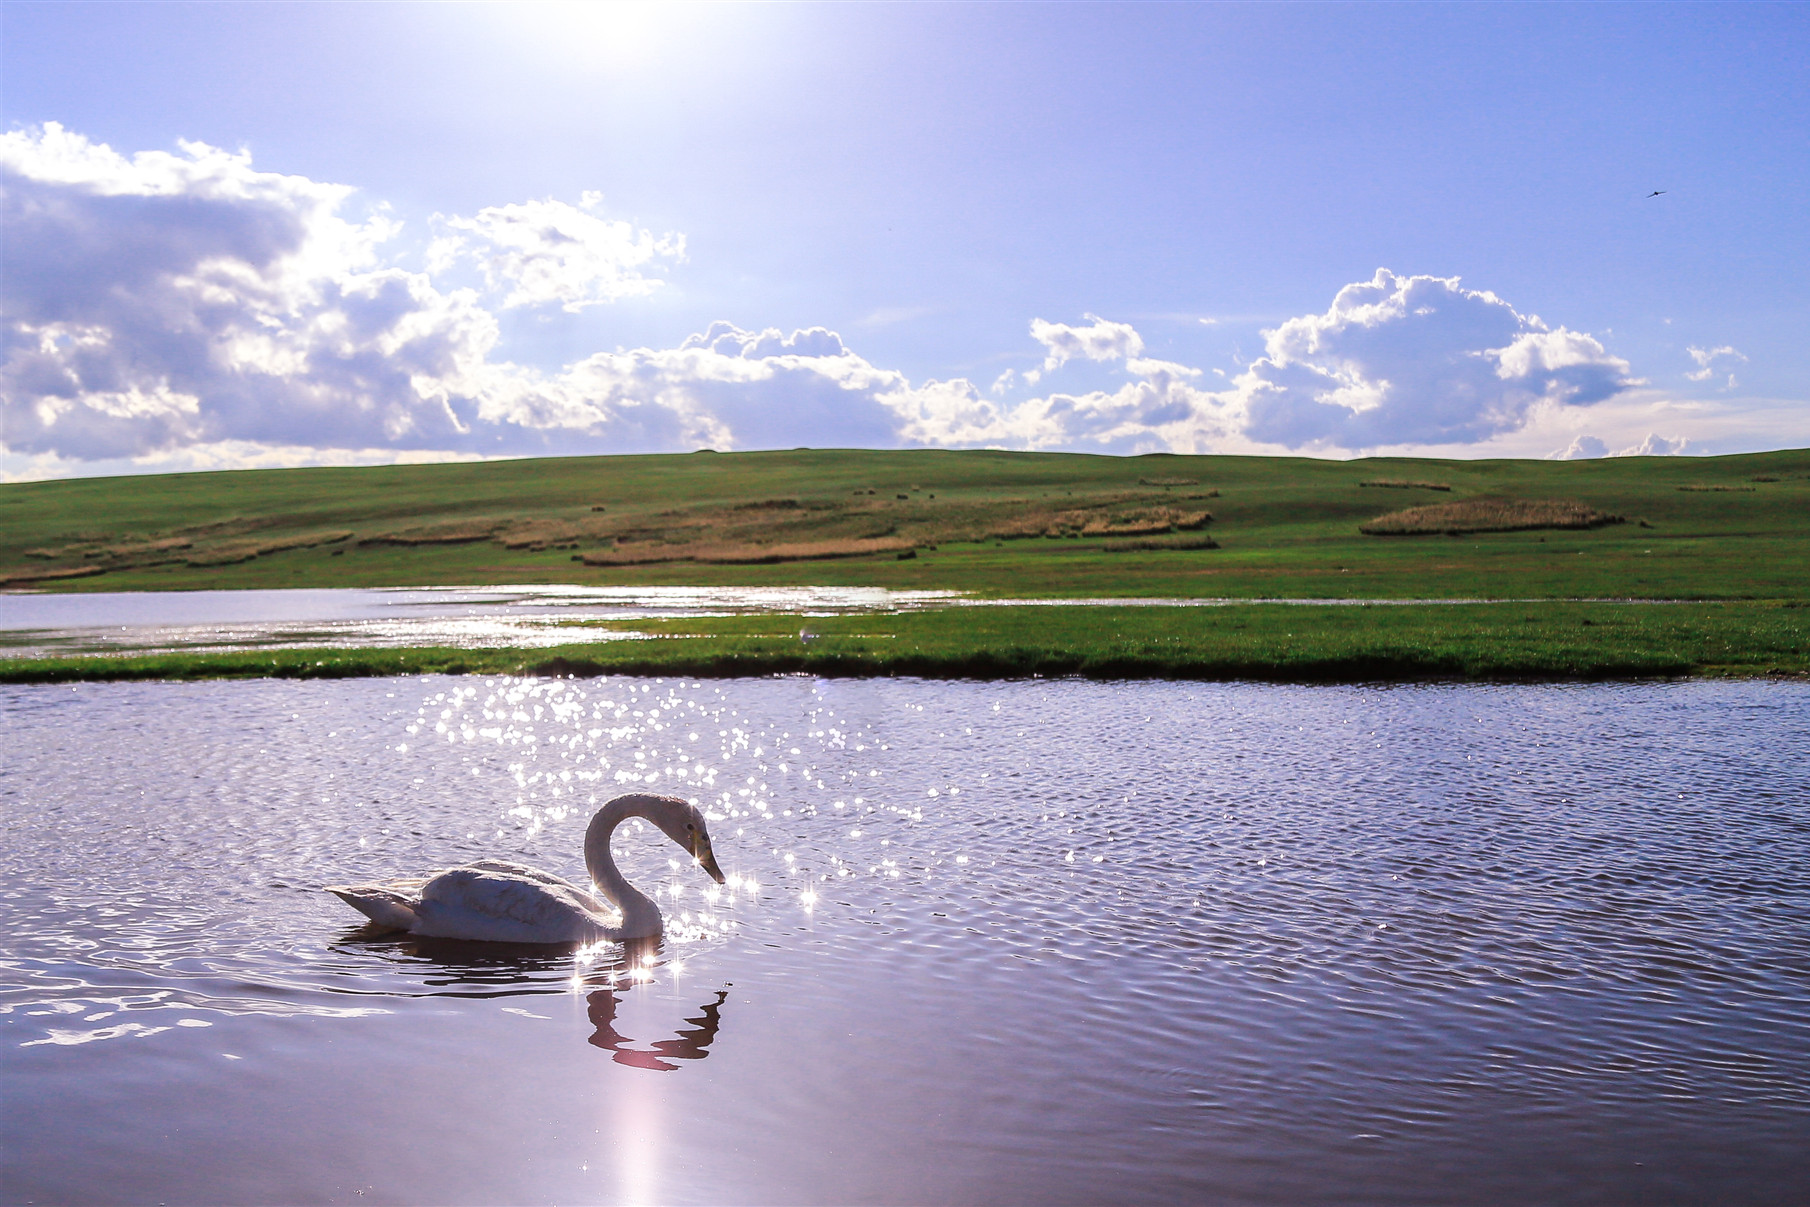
[(997, 524), (1313, 643), (1726, 540)]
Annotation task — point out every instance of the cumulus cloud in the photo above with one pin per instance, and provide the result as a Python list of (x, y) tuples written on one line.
[(177, 300), (538, 252), (190, 308), (1586, 447), (167, 299), (1655, 445), (1421, 360), (1394, 362), (1581, 448), (170, 301), (1100, 340)]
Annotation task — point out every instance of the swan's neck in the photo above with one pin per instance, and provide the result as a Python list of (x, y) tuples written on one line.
[(640, 916)]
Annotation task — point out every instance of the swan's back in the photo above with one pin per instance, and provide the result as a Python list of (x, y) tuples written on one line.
[(490, 900), (507, 906)]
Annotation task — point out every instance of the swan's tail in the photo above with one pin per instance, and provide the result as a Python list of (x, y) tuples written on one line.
[(386, 907)]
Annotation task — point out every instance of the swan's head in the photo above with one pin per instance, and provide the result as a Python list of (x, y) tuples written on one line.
[(684, 824)]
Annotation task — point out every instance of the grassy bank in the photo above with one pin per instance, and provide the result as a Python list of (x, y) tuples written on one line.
[(994, 523), (1316, 643)]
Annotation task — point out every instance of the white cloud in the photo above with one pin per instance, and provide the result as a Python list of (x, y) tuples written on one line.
[(1417, 360), (187, 309), (538, 252), (224, 454), (1581, 448), (1707, 368), (1100, 340), (1654, 445), (168, 299)]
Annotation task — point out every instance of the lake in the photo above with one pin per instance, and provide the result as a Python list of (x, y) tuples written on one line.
[(1041, 941)]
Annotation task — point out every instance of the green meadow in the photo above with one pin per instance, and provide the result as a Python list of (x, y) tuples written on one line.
[(1724, 541), (994, 523)]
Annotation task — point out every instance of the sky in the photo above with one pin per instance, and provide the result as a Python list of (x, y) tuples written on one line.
[(238, 235)]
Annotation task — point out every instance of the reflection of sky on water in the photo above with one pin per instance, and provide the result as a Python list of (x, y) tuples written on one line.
[(604, 973), (337, 618), (33, 625), (1083, 942)]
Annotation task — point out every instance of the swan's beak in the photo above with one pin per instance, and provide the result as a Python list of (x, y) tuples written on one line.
[(707, 860)]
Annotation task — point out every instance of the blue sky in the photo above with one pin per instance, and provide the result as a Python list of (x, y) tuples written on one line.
[(281, 234)]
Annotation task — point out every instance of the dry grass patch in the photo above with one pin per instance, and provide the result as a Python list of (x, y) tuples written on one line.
[(1154, 543), (1101, 519), (443, 534), (223, 543), (1405, 484), (141, 548), (727, 554), (1147, 521), (1489, 515), (1715, 487), (44, 576), (233, 552)]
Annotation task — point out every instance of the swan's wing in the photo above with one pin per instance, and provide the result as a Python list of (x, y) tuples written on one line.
[(482, 903), (380, 903), (524, 872)]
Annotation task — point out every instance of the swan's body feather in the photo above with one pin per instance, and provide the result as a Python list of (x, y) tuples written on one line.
[(504, 907), (502, 902)]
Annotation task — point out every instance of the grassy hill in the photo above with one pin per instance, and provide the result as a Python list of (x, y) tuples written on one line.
[(996, 523)]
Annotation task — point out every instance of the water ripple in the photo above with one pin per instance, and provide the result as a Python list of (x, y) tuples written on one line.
[(1353, 915)]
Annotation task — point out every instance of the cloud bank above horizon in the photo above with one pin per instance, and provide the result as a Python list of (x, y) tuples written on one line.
[(190, 310)]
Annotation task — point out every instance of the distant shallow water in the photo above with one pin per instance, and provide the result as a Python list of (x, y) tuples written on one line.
[(33, 625), (985, 942), (131, 622)]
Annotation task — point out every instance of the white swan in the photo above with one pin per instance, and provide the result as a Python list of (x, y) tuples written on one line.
[(508, 903)]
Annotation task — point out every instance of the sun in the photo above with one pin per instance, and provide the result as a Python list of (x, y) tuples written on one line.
[(613, 35)]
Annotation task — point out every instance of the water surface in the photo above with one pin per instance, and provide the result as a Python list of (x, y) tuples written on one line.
[(36, 625), (984, 942), (123, 622)]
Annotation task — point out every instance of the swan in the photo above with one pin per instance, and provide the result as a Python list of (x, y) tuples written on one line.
[(504, 902)]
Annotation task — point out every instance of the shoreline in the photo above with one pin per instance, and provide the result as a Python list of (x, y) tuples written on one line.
[(1280, 643)]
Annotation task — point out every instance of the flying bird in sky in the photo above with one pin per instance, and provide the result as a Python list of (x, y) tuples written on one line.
[(1656, 193)]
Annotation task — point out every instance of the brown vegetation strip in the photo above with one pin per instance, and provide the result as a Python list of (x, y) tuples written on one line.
[(44, 576), (1187, 542), (1405, 484), (441, 536), (223, 555), (1489, 515), (1142, 521), (732, 555)]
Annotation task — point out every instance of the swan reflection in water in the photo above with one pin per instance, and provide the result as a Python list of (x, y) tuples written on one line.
[(689, 1044), (464, 968)]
